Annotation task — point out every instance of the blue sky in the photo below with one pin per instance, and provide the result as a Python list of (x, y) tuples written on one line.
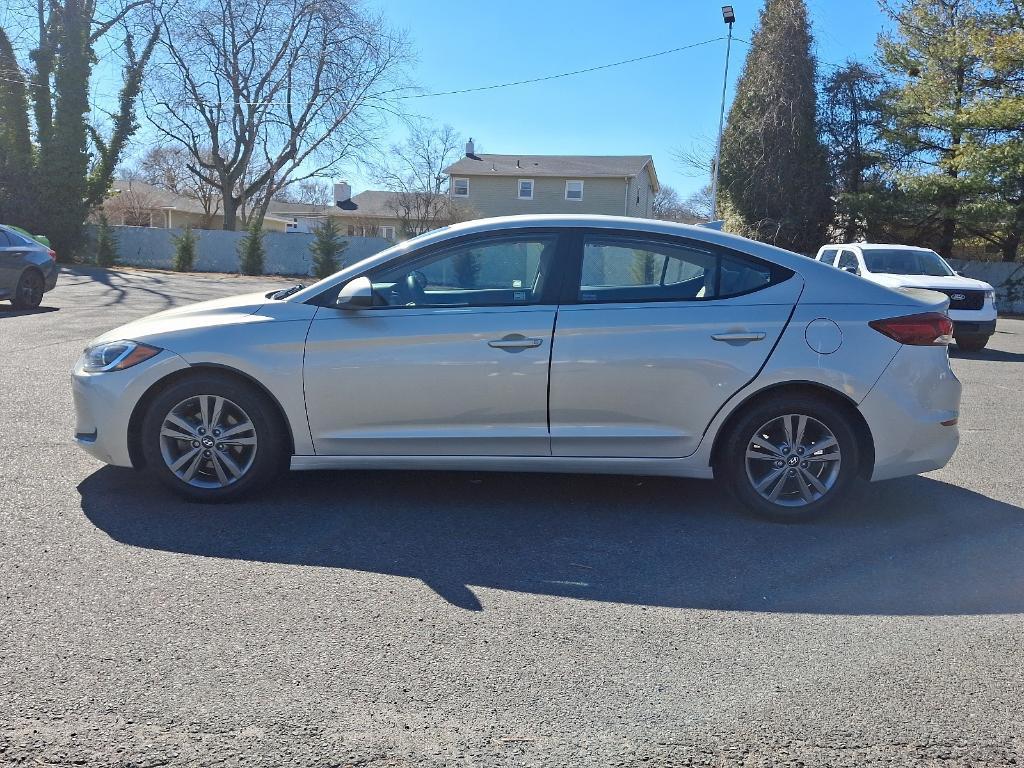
[(652, 107), (656, 107)]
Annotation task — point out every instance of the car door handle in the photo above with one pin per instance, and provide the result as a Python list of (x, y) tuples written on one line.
[(515, 342), (738, 336)]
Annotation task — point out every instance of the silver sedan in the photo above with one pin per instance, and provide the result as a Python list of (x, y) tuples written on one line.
[(540, 343)]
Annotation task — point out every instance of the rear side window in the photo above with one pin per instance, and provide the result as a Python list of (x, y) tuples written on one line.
[(828, 256), (5, 241), (627, 269)]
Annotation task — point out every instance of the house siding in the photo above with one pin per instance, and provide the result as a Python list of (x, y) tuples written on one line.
[(498, 196)]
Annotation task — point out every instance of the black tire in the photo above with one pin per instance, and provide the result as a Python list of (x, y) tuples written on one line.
[(971, 343), (731, 467), (30, 290), (269, 453)]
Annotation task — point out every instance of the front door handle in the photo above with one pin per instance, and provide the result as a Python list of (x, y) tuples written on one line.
[(738, 336), (515, 342)]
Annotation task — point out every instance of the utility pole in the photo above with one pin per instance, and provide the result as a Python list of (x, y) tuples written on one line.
[(729, 17)]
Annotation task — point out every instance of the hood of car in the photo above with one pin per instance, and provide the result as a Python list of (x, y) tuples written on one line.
[(950, 283), (205, 314)]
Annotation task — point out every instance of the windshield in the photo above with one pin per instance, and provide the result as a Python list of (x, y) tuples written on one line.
[(902, 261)]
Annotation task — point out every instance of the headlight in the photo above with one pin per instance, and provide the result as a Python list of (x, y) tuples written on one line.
[(116, 356)]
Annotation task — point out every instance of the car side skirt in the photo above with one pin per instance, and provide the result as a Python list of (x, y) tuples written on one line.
[(554, 464)]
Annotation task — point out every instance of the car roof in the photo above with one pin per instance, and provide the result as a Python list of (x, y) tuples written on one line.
[(872, 246)]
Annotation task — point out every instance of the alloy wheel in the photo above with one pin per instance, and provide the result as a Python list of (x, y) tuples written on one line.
[(30, 289), (208, 441), (793, 460)]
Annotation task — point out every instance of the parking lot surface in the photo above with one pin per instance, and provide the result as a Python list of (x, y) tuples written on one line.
[(400, 618)]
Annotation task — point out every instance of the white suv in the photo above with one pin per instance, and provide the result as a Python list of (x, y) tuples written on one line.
[(972, 304)]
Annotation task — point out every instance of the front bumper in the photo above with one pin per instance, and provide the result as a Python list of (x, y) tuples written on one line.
[(973, 328), (905, 411), (104, 403)]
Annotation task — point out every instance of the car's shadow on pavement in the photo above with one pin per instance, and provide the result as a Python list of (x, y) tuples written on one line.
[(994, 355), (915, 546), (9, 311)]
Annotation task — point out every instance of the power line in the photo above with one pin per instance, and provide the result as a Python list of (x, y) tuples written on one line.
[(562, 74)]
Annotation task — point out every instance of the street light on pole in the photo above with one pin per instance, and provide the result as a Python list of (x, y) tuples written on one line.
[(729, 17)]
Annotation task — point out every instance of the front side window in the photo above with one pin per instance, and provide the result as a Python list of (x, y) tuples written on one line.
[(526, 189), (460, 187), (574, 190), (497, 271), (624, 269), (848, 260)]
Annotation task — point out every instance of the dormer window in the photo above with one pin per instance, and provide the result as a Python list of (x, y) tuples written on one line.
[(460, 187), (574, 190), (525, 189)]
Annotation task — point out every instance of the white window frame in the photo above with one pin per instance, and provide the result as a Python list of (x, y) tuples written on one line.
[(455, 186), (574, 181), (519, 190), (384, 231)]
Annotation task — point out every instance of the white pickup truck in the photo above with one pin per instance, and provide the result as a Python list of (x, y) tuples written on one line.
[(972, 303)]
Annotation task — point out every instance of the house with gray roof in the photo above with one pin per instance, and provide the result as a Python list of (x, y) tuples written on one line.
[(501, 185)]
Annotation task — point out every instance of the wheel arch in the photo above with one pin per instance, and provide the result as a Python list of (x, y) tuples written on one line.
[(135, 452), (865, 440)]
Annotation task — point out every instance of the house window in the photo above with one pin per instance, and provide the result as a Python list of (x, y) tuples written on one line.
[(351, 231), (460, 187), (526, 189), (388, 233), (574, 190)]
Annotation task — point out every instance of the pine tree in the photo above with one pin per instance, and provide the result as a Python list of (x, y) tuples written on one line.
[(327, 248), (935, 55), (773, 173), (106, 243), (185, 250), (250, 250), (16, 153)]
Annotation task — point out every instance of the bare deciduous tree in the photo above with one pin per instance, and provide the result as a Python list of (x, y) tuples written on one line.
[(265, 94), (414, 171), (167, 167), (668, 206)]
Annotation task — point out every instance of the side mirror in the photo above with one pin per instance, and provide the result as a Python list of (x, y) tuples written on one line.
[(355, 294)]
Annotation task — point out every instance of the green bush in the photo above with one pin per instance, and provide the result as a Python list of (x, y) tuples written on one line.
[(185, 250), (327, 249), (106, 243), (250, 250)]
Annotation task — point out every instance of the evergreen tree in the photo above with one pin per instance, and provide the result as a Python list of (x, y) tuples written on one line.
[(250, 250), (327, 248), (935, 54), (16, 154), (106, 243), (185, 250), (773, 173)]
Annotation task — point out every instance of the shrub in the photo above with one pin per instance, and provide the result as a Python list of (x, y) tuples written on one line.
[(327, 248), (185, 250), (250, 250), (106, 243)]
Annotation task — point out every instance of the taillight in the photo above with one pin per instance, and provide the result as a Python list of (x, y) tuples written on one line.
[(924, 330), (52, 254)]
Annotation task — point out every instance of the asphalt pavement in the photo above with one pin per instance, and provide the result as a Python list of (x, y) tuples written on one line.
[(428, 619)]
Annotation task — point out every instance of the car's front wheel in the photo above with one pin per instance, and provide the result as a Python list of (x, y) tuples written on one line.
[(212, 438), (790, 457), (971, 343)]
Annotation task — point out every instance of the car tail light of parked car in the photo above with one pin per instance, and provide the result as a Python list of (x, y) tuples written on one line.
[(52, 254), (923, 330)]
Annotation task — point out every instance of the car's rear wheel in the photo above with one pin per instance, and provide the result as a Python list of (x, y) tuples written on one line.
[(30, 289), (971, 343), (790, 457), (213, 438)]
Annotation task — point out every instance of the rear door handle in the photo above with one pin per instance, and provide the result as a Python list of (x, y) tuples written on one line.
[(738, 336), (515, 342)]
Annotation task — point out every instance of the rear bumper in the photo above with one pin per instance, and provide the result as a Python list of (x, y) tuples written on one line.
[(50, 280), (973, 328), (905, 411)]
